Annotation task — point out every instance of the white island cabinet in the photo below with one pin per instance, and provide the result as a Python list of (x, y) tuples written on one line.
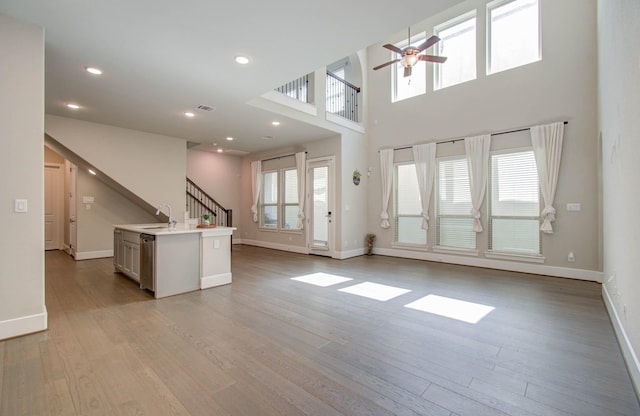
[(181, 260)]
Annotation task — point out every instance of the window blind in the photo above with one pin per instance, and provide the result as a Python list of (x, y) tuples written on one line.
[(408, 208), (454, 224), (514, 203)]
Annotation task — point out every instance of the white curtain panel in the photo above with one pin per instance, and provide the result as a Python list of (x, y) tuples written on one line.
[(424, 156), (301, 169), (256, 185), (547, 148), (477, 150), (386, 173)]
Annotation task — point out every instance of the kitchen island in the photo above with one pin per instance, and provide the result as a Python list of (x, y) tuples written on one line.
[(173, 261)]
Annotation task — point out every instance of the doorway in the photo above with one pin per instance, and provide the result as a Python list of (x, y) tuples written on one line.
[(320, 206), (53, 206)]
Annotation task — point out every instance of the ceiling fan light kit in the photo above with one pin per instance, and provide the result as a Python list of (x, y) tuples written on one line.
[(410, 55)]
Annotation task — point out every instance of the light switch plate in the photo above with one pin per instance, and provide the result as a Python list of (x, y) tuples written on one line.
[(88, 200), (21, 205), (574, 206)]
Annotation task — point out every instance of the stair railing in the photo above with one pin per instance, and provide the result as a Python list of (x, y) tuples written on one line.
[(200, 203)]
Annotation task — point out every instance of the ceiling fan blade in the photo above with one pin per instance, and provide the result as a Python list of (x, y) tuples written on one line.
[(407, 71), (386, 64), (431, 58), (393, 48), (429, 42)]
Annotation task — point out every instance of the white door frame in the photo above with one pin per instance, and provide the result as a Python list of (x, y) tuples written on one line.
[(328, 251)]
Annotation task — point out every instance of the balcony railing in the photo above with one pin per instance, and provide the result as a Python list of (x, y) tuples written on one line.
[(342, 97), (297, 89)]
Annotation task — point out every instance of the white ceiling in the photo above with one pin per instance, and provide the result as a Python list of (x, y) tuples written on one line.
[(163, 57)]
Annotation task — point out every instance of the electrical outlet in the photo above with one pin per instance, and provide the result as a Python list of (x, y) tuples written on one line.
[(571, 258)]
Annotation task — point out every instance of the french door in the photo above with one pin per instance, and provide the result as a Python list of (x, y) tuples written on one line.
[(320, 210)]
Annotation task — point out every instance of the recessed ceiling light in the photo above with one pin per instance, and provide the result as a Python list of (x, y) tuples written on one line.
[(275, 123), (220, 150), (91, 171), (73, 106), (189, 114), (230, 139), (93, 70), (242, 60)]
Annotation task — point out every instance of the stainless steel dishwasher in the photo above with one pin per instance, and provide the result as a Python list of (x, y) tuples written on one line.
[(148, 262)]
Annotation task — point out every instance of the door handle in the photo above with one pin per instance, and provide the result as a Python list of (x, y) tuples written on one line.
[(71, 220)]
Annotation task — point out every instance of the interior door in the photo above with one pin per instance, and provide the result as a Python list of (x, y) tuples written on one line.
[(53, 206), (321, 213)]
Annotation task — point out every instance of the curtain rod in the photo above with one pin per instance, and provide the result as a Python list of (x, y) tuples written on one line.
[(279, 157), (457, 140)]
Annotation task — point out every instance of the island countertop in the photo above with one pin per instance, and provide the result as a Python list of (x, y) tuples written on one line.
[(180, 228)]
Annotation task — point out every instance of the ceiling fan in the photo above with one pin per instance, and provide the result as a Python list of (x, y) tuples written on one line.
[(410, 55)]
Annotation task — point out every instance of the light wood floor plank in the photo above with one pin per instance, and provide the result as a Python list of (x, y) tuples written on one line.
[(268, 345)]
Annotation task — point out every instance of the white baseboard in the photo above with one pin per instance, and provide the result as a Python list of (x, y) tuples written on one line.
[(215, 280), (341, 255), (87, 255), (24, 325), (276, 246), (630, 357), (532, 268)]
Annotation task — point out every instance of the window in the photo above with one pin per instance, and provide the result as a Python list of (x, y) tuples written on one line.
[(408, 208), (269, 200), (514, 221), (454, 224), (275, 206), (416, 84), (513, 34), (458, 44), (290, 198)]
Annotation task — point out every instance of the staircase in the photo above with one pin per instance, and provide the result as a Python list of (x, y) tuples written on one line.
[(200, 203)]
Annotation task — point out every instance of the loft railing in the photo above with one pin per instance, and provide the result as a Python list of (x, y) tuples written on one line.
[(342, 97), (199, 204), (298, 89)]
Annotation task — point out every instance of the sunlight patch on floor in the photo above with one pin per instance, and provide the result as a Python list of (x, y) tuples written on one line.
[(321, 279), (451, 308), (375, 291)]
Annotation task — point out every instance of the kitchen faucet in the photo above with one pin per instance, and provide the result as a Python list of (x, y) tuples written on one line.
[(172, 223)]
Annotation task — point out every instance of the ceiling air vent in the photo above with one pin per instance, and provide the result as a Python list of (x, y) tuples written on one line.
[(205, 107)]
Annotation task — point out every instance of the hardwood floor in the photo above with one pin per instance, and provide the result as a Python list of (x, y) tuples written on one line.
[(269, 345)]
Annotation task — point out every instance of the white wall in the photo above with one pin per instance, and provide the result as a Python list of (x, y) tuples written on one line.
[(562, 86), (22, 308), (219, 176), (94, 230), (151, 166), (619, 118)]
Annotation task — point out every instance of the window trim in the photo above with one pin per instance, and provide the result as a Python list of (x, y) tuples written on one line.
[(472, 14), (437, 246), (262, 204), (280, 204), (396, 216), (283, 205), (510, 255), (497, 4)]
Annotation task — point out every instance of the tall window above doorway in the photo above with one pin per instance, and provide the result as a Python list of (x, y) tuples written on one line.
[(416, 83), (513, 34), (458, 44)]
